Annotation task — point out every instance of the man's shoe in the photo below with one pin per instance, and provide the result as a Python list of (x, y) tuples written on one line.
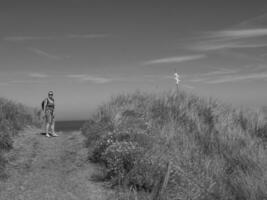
[(47, 135), (53, 134)]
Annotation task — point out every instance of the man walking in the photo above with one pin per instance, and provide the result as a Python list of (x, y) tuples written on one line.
[(49, 109)]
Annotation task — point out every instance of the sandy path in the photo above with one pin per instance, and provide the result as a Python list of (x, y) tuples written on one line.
[(42, 168)]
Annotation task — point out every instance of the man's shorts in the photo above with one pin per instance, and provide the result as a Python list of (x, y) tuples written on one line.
[(49, 116)]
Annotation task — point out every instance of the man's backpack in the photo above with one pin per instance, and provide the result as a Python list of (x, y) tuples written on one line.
[(43, 104)]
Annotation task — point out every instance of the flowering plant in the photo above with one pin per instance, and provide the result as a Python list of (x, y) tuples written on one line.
[(101, 146), (120, 157)]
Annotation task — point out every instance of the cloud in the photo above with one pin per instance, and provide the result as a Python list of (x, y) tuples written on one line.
[(204, 77), (218, 45), (79, 76), (86, 36), (240, 78), (38, 75), (42, 53), (235, 78), (178, 59), (238, 34), (231, 39), (26, 38), (227, 79), (67, 36), (257, 21), (96, 79), (25, 81), (19, 82), (220, 72), (4, 83), (89, 78)]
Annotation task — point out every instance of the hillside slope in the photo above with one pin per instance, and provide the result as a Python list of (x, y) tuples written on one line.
[(181, 146)]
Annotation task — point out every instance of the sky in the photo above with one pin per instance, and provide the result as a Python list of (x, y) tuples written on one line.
[(89, 50)]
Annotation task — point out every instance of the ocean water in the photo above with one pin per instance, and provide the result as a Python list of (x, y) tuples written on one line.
[(69, 125)]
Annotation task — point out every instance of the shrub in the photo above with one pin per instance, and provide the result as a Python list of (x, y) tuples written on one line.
[(5, 141), (216, 151), (145, 174), (101, 146), (120, 158), (93, 130)]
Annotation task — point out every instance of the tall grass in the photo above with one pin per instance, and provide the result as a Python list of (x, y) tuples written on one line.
[(13, 118), (214, 151)]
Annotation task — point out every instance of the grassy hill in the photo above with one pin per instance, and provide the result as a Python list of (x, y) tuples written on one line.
[(264, 110), (180, 146), (13, 118)]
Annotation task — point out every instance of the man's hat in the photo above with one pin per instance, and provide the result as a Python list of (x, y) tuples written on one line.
[(50, 92)]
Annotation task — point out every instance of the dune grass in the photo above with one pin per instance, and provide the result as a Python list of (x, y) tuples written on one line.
[(212, 150), (13, 118)]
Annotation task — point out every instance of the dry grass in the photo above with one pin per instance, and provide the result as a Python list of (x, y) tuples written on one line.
[(13, 118), (216, 151)]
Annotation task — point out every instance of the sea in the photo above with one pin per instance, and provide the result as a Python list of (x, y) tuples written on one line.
[(66, 126)]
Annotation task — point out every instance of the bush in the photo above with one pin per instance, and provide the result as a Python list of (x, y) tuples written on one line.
[(120, 158), (100, 147), (216, 151), (5, 141), (144, 175), (93, 130)]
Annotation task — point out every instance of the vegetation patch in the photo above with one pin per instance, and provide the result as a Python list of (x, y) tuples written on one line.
[(13, 118), (180, 146)]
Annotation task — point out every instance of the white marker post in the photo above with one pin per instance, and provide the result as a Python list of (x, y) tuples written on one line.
[(176, 77)]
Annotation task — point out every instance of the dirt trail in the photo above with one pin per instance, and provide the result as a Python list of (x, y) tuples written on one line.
[(42, 168)]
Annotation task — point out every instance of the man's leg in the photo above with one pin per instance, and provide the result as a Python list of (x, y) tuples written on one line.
[(43, 123), (47, 129), (47, 123), (53, 127)]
